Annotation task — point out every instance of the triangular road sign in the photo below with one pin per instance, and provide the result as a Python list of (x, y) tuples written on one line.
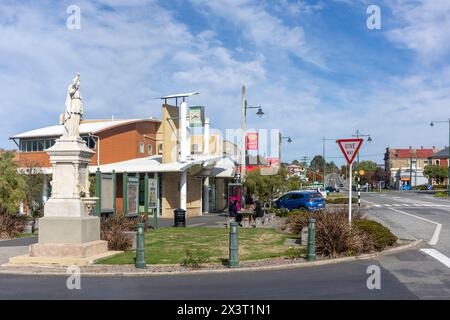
[(350, 148)]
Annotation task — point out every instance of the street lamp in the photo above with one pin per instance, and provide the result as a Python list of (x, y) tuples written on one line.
[(289, 140), (448, 162), (358, 134), (259, 113)]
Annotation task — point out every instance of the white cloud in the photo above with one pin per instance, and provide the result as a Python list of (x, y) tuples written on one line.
[(268, 32), (423, 27)]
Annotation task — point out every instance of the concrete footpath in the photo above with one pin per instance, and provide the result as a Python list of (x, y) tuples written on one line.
[(14, 247)]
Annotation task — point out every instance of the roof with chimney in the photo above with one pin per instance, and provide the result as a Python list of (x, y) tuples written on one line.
[(442, 154), (419, 153)]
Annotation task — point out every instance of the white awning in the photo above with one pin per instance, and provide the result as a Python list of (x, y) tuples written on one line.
[(154, 164)]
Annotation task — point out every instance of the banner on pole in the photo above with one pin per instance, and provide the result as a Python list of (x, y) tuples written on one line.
[(350, 148), (252, 141)]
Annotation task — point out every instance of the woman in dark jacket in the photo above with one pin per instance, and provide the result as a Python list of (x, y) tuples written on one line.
[(233, 212), (258, 212)]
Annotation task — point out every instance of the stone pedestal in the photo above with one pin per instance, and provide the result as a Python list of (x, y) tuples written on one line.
[(68, 234)]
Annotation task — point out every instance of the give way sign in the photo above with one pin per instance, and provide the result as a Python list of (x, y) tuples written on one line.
[(350, 148)]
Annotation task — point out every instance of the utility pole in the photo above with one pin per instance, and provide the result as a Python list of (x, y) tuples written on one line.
[(448, 162), (410, 166), (243, 151)]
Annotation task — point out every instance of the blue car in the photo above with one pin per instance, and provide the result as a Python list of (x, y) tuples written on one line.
[(307, 200)]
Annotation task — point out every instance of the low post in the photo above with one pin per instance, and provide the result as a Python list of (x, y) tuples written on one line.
[(155, 218), (98, 192), (146, 197), (311, 240), (233, 260), (140, 247)]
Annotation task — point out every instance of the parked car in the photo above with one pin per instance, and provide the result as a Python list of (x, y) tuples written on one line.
[(332, 190), (406, 187), (307, 200)]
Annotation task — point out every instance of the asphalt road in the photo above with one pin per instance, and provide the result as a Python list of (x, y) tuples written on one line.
[(412, 274), (339, 281), (416, 215)]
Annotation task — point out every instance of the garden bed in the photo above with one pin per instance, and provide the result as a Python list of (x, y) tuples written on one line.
[(208, 245)]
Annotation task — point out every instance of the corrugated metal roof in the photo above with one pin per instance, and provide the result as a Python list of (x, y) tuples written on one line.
[(85, 128), (154, 164)]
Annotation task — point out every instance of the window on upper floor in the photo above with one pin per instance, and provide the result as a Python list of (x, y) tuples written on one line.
[(150, 150), (141, 147)]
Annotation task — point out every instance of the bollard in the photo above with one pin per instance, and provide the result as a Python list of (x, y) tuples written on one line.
[(233, 260), (140, 247), (155, 218), (311, 240)]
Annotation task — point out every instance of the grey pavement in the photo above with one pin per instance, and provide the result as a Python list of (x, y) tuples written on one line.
[(14, 247)]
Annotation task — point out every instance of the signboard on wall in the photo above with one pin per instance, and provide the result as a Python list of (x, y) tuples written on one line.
[(107, 193), (274, 162), (153, 193), (133, 196), (252, 141), (196, 116)]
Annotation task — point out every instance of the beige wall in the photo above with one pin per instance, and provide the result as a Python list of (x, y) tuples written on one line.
[(404, 163), (169, 133), (171, 194)]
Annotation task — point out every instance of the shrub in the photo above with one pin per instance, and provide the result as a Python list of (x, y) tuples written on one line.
[(441, 195), (113, 230), (340, 200), (381, 236), (11, 225), (296, 222), (280, 212), (193, 259), (334, 235)]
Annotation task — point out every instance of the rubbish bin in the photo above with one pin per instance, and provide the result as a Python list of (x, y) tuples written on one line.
[(180, 217)]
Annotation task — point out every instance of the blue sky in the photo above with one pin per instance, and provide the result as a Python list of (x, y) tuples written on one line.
[(313, 65)]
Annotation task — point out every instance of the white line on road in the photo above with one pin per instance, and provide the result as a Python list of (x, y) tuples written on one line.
[(438, 256), (386, 205), (435, 238)]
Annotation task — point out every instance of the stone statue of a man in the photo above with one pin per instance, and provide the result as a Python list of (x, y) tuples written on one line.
[(74, 110)]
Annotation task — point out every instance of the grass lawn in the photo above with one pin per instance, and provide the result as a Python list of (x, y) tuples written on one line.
[(168, 245), (26, 235)]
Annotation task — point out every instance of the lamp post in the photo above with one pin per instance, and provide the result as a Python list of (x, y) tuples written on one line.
[(448, 162), (259, 113), (323, 156)]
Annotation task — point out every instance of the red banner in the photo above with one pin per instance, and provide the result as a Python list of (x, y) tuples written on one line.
[(252, 141)]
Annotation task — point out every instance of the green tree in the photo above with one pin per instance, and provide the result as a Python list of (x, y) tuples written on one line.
[(317, 163), (34, 182), (369, 168), (267, 187), (436, 172), (344, 170), (12, 184)]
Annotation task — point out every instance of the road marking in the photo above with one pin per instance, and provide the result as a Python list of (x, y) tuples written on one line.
[(397, 205), (386, 205), (405, 205), (438, 256), (435, 238), (377, 205)]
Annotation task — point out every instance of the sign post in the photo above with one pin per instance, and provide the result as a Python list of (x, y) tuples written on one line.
[(350, 148)]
